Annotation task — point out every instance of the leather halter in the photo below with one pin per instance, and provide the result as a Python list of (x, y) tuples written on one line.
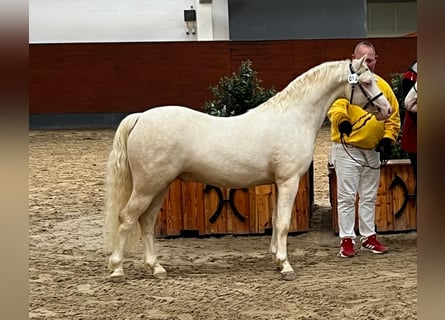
[(353, 80)]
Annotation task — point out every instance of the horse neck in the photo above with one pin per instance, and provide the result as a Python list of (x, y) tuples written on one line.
[(311, 94)]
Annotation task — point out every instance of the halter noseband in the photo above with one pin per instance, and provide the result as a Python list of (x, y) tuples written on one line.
[(353, 80)]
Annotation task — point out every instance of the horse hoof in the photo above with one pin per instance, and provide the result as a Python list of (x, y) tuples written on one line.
[(160, 275), (288, 276), (117, 278)]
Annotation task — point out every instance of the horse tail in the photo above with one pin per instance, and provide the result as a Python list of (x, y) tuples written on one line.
[(119, 185)]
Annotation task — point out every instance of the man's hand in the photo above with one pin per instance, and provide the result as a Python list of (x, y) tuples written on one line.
[(385, 148), (345, 127)]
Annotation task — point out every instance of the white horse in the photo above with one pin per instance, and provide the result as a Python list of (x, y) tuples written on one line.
[(272, 143), (411, 99)]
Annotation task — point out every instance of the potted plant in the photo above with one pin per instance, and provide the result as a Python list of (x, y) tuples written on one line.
[(396, 84), (236, 94)]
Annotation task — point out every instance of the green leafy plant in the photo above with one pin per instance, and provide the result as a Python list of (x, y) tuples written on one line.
[(396, 84), (238, 93)]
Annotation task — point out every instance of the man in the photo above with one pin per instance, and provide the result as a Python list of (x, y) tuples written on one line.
[(359, 142)]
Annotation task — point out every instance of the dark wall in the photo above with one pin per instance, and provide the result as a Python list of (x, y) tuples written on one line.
[(131, 77), (117, 77), (296, 19)]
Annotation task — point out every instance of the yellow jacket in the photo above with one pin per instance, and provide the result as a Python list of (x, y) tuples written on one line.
[(368, 135)]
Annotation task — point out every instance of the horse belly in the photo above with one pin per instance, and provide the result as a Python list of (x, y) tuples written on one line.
[(226, 170), (226, 178)]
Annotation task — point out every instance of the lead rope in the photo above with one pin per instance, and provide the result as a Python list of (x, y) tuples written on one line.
[(343, 142), (382, 162)]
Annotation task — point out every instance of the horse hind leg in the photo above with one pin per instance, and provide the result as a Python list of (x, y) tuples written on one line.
[(128, 219), (148, 222)]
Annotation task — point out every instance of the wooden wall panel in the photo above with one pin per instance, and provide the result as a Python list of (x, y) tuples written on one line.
[(302, 210), (189, 208), (192, 206), (219, 225), (131, 77), (264, 202), (173, 209), (242, 204), (402, 172)]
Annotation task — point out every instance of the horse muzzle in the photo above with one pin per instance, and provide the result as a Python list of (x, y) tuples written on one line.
[(382, 113)]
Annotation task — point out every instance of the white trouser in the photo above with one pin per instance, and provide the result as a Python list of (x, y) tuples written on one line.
[(353, 178)]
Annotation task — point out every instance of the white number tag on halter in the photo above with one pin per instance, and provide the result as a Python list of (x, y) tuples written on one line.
[(353, 78)]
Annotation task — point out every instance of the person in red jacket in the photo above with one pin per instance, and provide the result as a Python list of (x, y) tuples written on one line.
[(408, 140)]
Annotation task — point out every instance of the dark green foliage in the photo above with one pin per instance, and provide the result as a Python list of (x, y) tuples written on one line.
[(236, 94), (396, 84)]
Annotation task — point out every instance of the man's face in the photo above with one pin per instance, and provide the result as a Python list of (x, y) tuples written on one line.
[(371, 58)]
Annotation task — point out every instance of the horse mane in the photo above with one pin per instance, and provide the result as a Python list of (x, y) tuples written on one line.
[(301, 87)]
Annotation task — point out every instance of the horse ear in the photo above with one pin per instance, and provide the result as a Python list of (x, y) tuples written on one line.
[(357, 63), (362, 60)]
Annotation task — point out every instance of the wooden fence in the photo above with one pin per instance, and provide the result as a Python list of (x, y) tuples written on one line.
[(195, 209)]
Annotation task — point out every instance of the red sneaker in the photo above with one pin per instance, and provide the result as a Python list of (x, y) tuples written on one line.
[(347, 248), (371, 244)]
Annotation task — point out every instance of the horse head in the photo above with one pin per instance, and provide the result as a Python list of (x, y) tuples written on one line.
[(363, 90), (411, 99)]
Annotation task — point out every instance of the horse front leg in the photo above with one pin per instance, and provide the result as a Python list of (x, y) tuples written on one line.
[(286, 198), (273, 239)]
